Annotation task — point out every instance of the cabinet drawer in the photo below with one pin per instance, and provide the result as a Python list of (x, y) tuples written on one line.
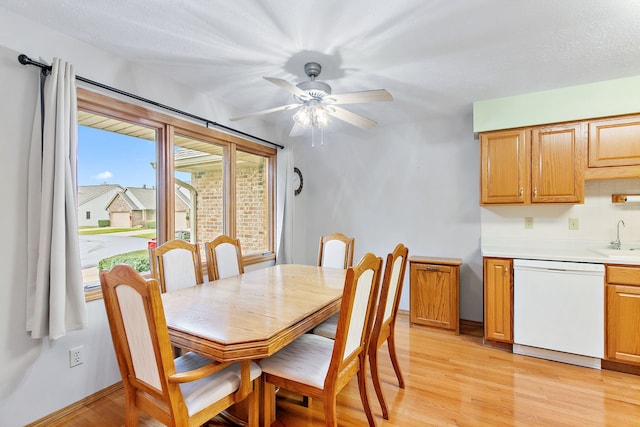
[(623, 275)]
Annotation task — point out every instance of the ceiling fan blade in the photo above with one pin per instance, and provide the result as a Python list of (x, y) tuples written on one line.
[(269, 111), (351, 118), (289, 87), (377, 95)]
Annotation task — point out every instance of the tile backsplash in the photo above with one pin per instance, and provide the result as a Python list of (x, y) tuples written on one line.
[(597, 217)]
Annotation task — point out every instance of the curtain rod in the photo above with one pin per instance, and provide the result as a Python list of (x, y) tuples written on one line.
[(25, 60)]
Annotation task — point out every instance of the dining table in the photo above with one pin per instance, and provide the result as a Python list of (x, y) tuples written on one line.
[(255, 314)]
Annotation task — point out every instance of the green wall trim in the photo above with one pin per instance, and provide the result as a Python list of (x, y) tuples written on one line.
[(601, 99)]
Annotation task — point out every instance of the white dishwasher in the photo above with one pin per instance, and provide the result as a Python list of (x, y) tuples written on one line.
[(558, 311)]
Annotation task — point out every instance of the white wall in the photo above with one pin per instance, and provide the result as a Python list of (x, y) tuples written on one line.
[(35, 379), (415, 183), (597, 217)]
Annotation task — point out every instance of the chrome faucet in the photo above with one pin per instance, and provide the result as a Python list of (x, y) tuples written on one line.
[(616, 243)]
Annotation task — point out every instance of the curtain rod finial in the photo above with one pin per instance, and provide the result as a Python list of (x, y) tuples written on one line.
[(24, 59)]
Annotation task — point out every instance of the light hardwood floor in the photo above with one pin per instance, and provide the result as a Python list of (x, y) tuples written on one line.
[(452, 381)]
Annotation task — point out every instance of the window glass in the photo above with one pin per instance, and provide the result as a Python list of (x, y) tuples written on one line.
[(199, 182), (252, 202), (116, 193)]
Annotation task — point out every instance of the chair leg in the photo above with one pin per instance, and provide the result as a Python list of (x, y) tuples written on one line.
[(375, 377), (330, 415), (362, 385), (391, 344), (132, 416)]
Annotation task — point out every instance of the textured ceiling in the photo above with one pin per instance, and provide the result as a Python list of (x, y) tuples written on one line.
[(434, 56)]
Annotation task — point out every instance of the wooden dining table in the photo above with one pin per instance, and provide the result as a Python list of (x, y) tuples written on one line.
[(255, 314)]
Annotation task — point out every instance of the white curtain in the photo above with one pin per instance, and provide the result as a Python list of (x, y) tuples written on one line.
[(284, 207), (55, 294)]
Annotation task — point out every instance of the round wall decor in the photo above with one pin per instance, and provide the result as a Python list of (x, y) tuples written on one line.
[(297, 181)]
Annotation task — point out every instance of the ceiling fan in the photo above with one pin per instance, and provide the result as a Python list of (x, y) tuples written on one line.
[(316, 104)]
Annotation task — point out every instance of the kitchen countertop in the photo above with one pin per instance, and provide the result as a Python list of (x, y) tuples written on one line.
[(562, 250)]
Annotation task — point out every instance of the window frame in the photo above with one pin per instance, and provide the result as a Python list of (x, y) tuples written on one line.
[(166, 126)]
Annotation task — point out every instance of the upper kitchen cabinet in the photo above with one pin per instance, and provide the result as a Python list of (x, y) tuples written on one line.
[(504, 167), (543, 164), (614, 148), (557, 163)]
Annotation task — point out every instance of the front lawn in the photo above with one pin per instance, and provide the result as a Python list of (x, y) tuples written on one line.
[(106, 230)]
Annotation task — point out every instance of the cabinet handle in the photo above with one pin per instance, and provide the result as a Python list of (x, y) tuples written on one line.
[(506, 271), (433, 269), (535, 192), (521, 192)]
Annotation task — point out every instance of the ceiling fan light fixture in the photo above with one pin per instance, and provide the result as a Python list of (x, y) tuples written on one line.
[(309, 116)]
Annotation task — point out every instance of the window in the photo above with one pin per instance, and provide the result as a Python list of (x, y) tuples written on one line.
[(148, 178), (252, 201)]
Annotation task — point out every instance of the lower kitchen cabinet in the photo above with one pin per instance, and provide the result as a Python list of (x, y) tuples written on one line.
[(498, 299), (434, 292), (623, 314)]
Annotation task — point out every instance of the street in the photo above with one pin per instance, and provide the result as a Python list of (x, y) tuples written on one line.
[(95, 247)]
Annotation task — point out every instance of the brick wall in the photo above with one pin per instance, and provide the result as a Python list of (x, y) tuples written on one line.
[(252, 212)]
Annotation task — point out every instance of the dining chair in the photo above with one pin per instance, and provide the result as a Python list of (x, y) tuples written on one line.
[(384, 322), (186, 391), (176, 264), (385, 319), (224, 257), (320, 367), (336, 251)]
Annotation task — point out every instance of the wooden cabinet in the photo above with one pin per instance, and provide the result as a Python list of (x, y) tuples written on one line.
[(614, 148), (543, 164), (504, 167), (623, 314), (498, 299), (434, 292)]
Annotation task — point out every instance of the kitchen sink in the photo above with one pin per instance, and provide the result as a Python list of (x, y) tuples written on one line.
[(620, 253)]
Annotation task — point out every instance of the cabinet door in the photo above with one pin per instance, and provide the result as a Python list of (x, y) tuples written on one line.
[(557, 164), (504, 167), (434, 295), (623, 323), (498, 299), (614, 142)]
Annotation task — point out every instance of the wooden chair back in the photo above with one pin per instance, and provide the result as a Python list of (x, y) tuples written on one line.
[(359, 298), (390, 291), (385, 319), (224, 257), (177, 264), (336, 251)]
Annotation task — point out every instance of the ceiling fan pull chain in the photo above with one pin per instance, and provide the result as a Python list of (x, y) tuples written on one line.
[(313, 137)]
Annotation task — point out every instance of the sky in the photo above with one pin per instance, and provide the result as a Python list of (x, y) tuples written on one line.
[(110, 158)]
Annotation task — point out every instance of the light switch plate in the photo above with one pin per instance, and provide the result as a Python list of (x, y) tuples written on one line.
[(528, 222), (574, 224)]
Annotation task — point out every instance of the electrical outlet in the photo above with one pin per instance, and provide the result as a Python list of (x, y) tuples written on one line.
[(75, 356), (574, 224), (528, 222)]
